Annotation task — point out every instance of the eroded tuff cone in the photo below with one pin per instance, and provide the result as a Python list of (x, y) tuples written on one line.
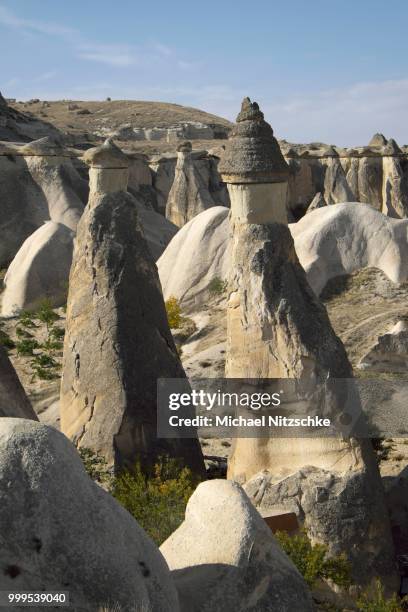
[(254, 169), (118, 341), (278, 328), (189, 194), (13, 400)]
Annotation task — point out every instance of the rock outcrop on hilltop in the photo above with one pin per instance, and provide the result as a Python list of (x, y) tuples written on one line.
[(278, 329), (390, 352), (224, 557), (13, 399), (74, 537), (116, 312), (22, 127)]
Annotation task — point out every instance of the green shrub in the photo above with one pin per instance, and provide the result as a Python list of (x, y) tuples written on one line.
[(27, 346), (57, 333), (22, 333), (377, 602), (312, 560), (217, 286), (157, 502), (26, 319), (173, 310)]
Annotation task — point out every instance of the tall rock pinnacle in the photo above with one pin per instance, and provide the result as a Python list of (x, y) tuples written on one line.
[(118, 341)]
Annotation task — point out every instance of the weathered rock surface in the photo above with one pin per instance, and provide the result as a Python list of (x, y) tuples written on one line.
[(13, 400), (334, 240), (224, 557), (186, 276), (200, 168), (390, 352), (336, 187), (62, 532), (190, 193), (346, 237), (116, 312), (36, 185), (40, 270), (317, 202), (344, 511)]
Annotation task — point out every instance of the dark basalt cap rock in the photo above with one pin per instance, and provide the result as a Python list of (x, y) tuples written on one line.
[(185, 147), (252, 154), (3, 103), (378, 140), (107, 155)]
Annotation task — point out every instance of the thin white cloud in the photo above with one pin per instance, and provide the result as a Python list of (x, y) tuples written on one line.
[(348, 116), (9, 19), (111, 55)]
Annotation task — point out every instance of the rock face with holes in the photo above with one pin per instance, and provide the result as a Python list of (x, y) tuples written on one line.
[(190, 193), (224, 557), (32, 277), (13, 400), (61, 532), (117, 342)]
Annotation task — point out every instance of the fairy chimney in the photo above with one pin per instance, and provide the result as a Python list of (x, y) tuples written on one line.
[(118, 341)]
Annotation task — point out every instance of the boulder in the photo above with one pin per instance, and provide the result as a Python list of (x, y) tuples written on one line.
[(40, 270), (224, 557), (342, 510), (13, 400), (60, 531), (116, 311)]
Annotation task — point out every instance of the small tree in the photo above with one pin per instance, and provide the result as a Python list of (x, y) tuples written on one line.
[(46, 314), (173, 310)]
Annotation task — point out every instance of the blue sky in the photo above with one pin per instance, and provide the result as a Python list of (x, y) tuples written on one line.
[(321, 70)]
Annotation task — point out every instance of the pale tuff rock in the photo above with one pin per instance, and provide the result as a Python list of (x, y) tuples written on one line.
[(201, 168), (196, 255), (278, 328), (336, 188), (34, 189), (317, 202), (13, 400), (332, 241), (344, 511), (224, 557), (395, 187), (74, 537), (390, 352), (189, 194), (118, 342), (40, 270), (347, 237), (108, 168)]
